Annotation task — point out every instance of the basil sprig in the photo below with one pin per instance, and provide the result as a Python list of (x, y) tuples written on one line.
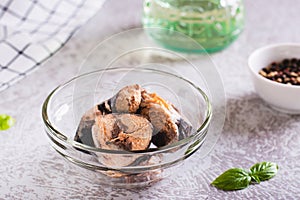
[(237, 178), (6, 122)]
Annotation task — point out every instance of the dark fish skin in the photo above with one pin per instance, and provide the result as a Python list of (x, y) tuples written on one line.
[(140, 160), (161, 138), (105, 107), (184, 128), (84, 133)]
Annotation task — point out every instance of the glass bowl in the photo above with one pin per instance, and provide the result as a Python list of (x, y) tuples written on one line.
[(64, 107)]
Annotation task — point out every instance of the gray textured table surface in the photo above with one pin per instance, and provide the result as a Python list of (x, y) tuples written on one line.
[(30, 169)]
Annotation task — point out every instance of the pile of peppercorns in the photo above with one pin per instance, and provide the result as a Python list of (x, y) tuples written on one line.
[(287, 71)]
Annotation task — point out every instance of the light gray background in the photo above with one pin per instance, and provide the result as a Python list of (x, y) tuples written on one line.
[(253, 132)]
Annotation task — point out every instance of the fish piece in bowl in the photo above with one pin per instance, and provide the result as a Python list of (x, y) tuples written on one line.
[(132, 120), (128, 132), (168, 125), (127, 100), (122, 132)]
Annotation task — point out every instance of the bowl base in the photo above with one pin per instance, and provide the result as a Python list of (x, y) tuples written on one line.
[(126, 180), (284, 110)]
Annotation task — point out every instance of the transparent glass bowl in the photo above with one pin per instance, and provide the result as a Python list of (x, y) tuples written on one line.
[(64, 107)]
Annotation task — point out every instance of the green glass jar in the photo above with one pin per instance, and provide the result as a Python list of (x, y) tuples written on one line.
[(214, 24)]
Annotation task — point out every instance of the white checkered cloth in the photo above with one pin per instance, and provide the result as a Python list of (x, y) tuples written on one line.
[(33, 30)]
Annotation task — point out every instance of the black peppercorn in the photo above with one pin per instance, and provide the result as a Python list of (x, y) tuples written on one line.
[(294, 60), (286, 61), (287, 71)]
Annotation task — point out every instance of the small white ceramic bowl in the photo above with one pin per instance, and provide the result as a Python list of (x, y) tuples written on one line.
[(282, 97)]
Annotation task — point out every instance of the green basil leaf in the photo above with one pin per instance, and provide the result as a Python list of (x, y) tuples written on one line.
[(255, 178), (264, 170), (6, 122), (233, 179)]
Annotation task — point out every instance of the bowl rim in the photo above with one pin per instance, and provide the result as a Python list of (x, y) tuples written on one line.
[(261, 51), (69, 141)]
